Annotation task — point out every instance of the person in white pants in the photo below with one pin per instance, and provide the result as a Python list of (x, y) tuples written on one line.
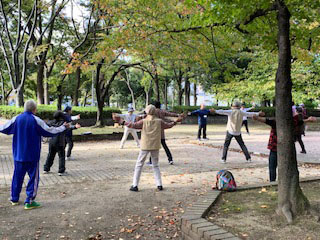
[(150, 143), (129, 117)]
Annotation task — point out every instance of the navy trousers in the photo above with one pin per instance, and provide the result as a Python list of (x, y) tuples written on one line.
[(20, 170)]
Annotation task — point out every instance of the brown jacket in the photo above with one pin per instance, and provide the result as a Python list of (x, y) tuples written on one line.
[(151, 131)]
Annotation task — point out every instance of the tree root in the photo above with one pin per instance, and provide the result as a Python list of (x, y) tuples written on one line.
[(285, 210)]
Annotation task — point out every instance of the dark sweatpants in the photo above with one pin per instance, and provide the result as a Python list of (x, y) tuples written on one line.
[(202, 127), (53, 150), (273, 163), (165, 147), (69, 142), (245, 123), (240, 142)]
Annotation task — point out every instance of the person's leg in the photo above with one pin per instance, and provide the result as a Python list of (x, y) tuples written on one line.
[(50, 158), (17, 180), (165, 147), (273, 166), (135, 137), (32, 186), (299, 138), (156, 169), (199, 131), (62, 159), (227, 142), (246, 125), (138, 168), (70, 145), (243, 146), (204, 127), (124, 137)]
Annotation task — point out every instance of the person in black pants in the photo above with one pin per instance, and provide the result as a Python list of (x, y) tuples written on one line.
[(57, 144), (67, 112)]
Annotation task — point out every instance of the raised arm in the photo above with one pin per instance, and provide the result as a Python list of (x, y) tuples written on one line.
[(8, 127), (45, 131), (223, 112), (135, 125)]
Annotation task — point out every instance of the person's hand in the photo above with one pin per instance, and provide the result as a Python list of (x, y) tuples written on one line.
[(212, 110), (189, 113), (78, 126), (261, 114), (67, 125), (312, 119), (78, 116)]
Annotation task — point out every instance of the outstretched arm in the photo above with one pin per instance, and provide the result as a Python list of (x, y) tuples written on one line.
[(135, 125), (45, 131), (8, 127), (223, 112)]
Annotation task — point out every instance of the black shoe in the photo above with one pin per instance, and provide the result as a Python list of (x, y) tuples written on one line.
[(160, 188), (134, 189), (171, 162), (304, 152)]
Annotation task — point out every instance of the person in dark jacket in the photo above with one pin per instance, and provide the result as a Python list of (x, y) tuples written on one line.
[(202, 114), (27, 130), (69, 141), (57, 144)]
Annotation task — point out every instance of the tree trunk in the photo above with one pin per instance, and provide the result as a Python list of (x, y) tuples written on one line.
[(195, 98), (291, 200), (40, 88), (166, 94), (19, 98), (76, 92), (46, 92), (187, 92), (100, 100), (108, 99)]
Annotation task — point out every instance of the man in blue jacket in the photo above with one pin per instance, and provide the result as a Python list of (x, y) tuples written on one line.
[(27, 130), (203, 114)]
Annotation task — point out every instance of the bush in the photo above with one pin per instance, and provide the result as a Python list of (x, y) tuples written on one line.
[(46, 112)]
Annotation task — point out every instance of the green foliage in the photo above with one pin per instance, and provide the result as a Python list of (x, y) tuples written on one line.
[(46, 112)]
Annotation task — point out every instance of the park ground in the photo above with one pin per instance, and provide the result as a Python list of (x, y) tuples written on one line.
[(94, 201)]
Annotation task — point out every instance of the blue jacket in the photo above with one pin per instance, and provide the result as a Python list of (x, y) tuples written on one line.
[(202, 116), (27, 130)]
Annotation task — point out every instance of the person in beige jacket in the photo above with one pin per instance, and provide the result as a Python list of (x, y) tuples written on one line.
[(150, 143), (235, 118)]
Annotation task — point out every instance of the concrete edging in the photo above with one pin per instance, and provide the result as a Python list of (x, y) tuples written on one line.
[(194, 226)]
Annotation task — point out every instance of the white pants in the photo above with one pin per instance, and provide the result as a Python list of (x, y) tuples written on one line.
[(126, 134), (156, 170)]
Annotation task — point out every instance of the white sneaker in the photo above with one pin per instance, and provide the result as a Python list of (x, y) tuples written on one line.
[(249, 160), (149, 164), (63, 174), (46, 172), (223, 161)]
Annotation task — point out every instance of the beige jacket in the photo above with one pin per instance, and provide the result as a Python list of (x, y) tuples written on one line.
[(235, 118), (151, 131)]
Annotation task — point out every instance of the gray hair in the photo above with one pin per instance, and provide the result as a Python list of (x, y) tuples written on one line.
[(236, 104), (30, 106), (150, 109)]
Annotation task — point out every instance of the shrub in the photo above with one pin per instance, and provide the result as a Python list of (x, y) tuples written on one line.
[(46, 112)]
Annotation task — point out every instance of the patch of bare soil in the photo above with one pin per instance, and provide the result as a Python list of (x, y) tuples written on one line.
[(251, 215)]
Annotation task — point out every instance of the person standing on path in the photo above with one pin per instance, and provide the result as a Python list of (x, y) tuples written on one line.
[(202, 114), (27, 130), (69, 141), (299, 127), (163, 114), (235, 117), (152, 127), (57, 144), (129, 117), (245, 118), (272, 144)]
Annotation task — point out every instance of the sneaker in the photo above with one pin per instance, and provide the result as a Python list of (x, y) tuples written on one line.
[(149, 164), (249, 160), (160, 188), (206, 139), (223, 161), (15, 203), (63, 174), (304, 152), (121, 147), (199, 139), (29, 206), (134, 189), (46, 172), (170, 162)]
